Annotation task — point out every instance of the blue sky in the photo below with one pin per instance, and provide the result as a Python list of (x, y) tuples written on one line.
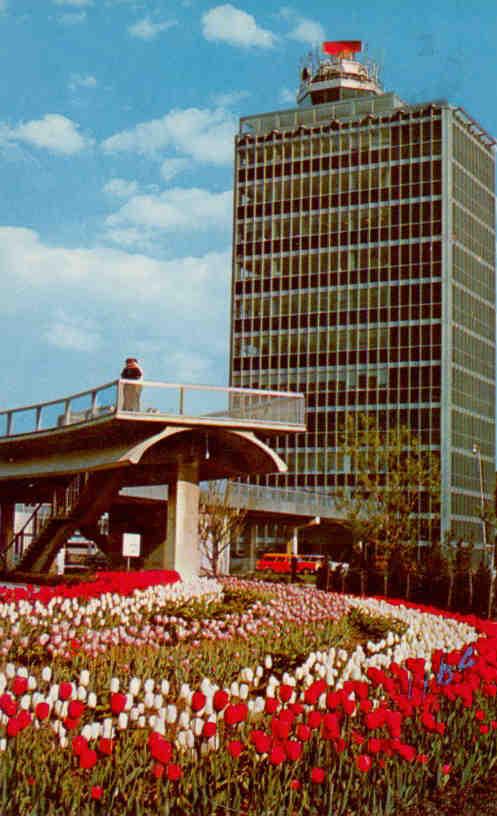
[(116, 131)]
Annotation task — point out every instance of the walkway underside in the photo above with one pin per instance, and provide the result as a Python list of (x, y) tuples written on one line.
[(80, 472)]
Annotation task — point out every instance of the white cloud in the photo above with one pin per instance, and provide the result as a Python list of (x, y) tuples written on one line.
[(3, 5), (286, 96), (82, 81), (54, 132), (174, 209), (228, 24), (205, 135), (307, 31), (229, 98), (303, 30), (188, 366), (72, 18), (146, 29), (172, 167), (120, 188), (69, 332), (185, 297)]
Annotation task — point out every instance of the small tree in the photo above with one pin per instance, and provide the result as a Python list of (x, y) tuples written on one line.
[(489, 519), (220, 524), (390, 473)]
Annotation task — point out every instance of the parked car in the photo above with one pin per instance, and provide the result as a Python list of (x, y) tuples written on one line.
[(281, 563)]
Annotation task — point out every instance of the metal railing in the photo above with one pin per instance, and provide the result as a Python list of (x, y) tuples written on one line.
[(127, 398), (260, 497), (85, 406), (63, 501)]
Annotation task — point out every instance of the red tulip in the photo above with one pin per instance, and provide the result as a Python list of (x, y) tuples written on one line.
[(13, 727), (220, 700), (174, 772), (293, 749), (209, 729), (277, 755), (76, 709), (285, 692), (87, 759), (117, 702), (97, 792), (160, 748), (79, 745), (317, 775), (65, 690), (261, 740), (235, 747), (42, 711), (363, 762), (105, 746), (198, 701), (303, 732), (19, 685), (8, 705), (314, 719)]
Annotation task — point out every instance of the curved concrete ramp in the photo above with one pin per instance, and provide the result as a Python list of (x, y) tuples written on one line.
[(120, 448)]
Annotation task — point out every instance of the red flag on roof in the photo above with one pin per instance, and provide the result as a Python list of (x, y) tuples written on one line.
[(342, 48)]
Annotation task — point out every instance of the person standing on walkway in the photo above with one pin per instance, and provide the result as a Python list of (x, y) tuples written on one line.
[(132, 392)]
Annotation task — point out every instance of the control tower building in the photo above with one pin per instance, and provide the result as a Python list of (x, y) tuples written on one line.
[(364, 277)]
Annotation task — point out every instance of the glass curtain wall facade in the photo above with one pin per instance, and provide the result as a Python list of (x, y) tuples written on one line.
[(364, 277)]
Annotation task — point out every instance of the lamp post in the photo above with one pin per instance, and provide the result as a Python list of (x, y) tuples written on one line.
[(477, 452)]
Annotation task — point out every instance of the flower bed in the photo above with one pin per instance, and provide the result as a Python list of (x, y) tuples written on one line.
[(123, 583), (406, 711)]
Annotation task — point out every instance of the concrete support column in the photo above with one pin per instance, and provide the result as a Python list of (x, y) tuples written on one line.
[(182, 551), (7, 529)]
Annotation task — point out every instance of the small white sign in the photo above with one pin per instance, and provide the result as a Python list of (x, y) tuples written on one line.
[(131, 545)]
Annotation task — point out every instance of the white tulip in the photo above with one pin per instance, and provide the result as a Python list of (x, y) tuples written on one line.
[(84, 677), (114, 685), (96, 730), (107, 728), (134, 686), (197, 725), (171, 714)]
